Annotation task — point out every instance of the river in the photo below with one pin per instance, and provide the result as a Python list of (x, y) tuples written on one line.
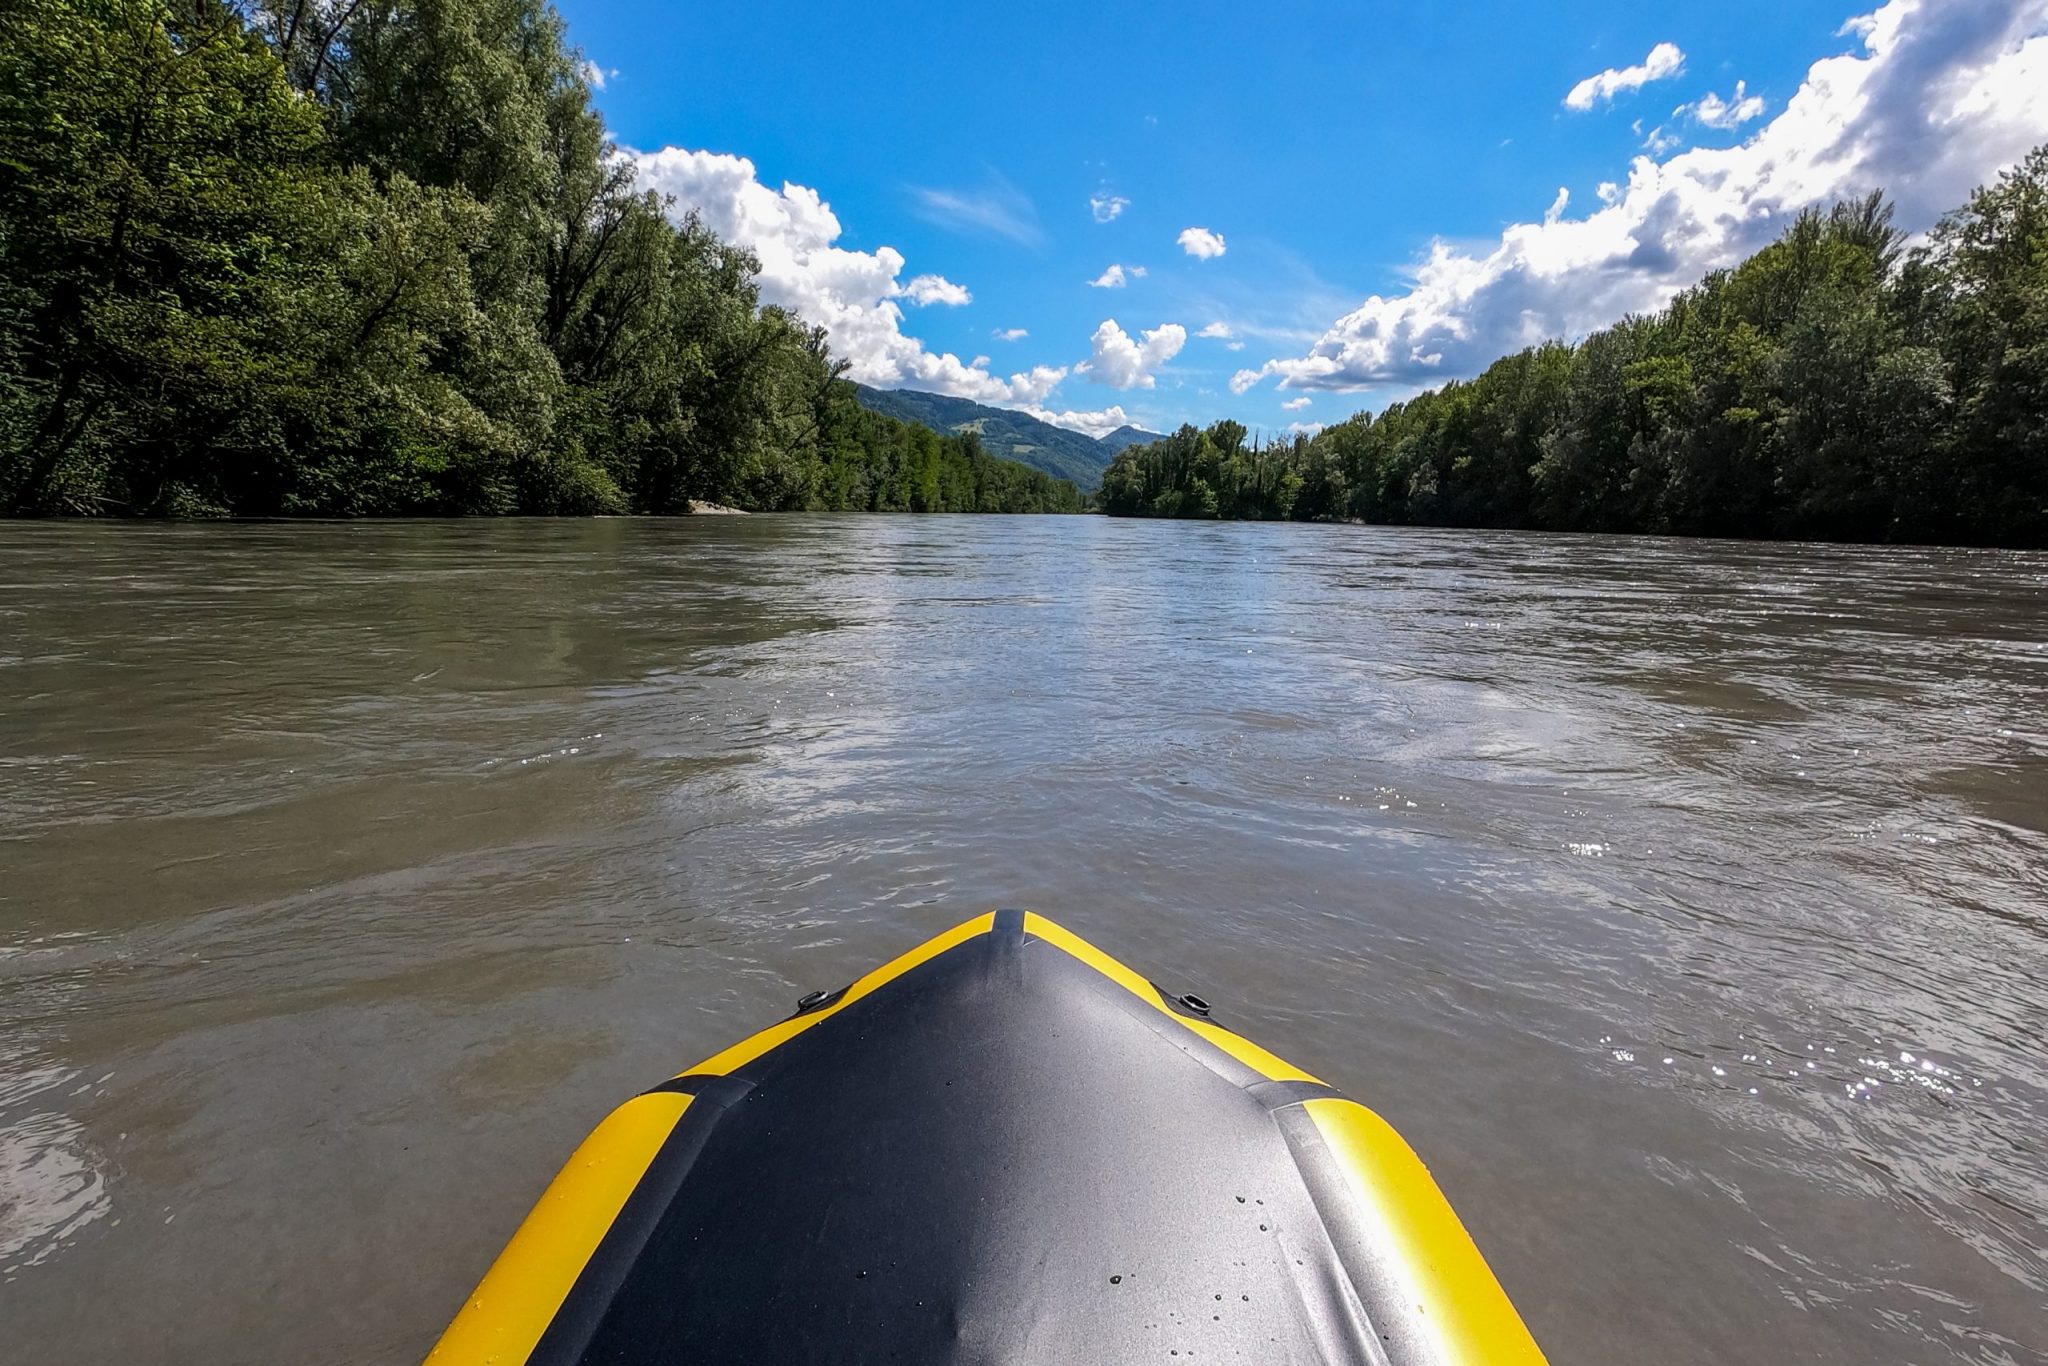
[(1685, 904)]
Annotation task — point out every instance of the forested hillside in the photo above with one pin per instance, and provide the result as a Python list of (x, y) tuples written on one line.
[(316, 256), (1834, 386), (1058, 451)]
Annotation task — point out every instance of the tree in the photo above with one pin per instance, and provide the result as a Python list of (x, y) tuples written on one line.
[(162, 182), (1832, 386), (1991, 260)]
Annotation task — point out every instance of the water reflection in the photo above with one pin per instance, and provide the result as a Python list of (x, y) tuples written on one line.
[(51, 1183)]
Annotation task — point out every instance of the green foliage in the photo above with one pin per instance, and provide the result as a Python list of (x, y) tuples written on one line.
[(1006, 432), (318, 257), (1833, 386), (875, 463), (158, 182)]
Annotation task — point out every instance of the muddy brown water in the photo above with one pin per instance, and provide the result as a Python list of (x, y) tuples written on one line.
[(1685, 904)]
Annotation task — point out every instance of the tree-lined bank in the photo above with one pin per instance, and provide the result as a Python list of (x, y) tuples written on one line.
[(1835, 386), (321, 257)]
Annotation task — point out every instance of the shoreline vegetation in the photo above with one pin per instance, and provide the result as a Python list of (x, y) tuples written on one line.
[(268, 258), (1836, 386), (321, 258)]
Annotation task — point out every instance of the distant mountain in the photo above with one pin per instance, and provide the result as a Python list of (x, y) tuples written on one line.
[(1012, 435), (1128, 436)]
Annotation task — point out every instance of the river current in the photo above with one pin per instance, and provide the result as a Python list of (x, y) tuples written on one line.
[(1685, 904)]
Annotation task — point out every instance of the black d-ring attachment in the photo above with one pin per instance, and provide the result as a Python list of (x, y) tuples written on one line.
[(818, 1000), (1183, 1003)]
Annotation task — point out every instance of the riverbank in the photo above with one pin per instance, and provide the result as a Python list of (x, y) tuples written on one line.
[(1836, 386), (320, 310)]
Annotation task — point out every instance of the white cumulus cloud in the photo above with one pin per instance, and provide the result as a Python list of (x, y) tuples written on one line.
[(1103, 205), (1665, 60), (1009, 334), (1117, 276), (1200, 243), (1714, 112), (1936, 97), (1097, 424), (936, 289), (1218, 330), (1304, 428), (596, 76), (1124, 363), (1295, 405), (851, 294)]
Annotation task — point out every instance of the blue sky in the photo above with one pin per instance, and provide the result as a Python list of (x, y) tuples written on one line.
[(1384, 181)]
